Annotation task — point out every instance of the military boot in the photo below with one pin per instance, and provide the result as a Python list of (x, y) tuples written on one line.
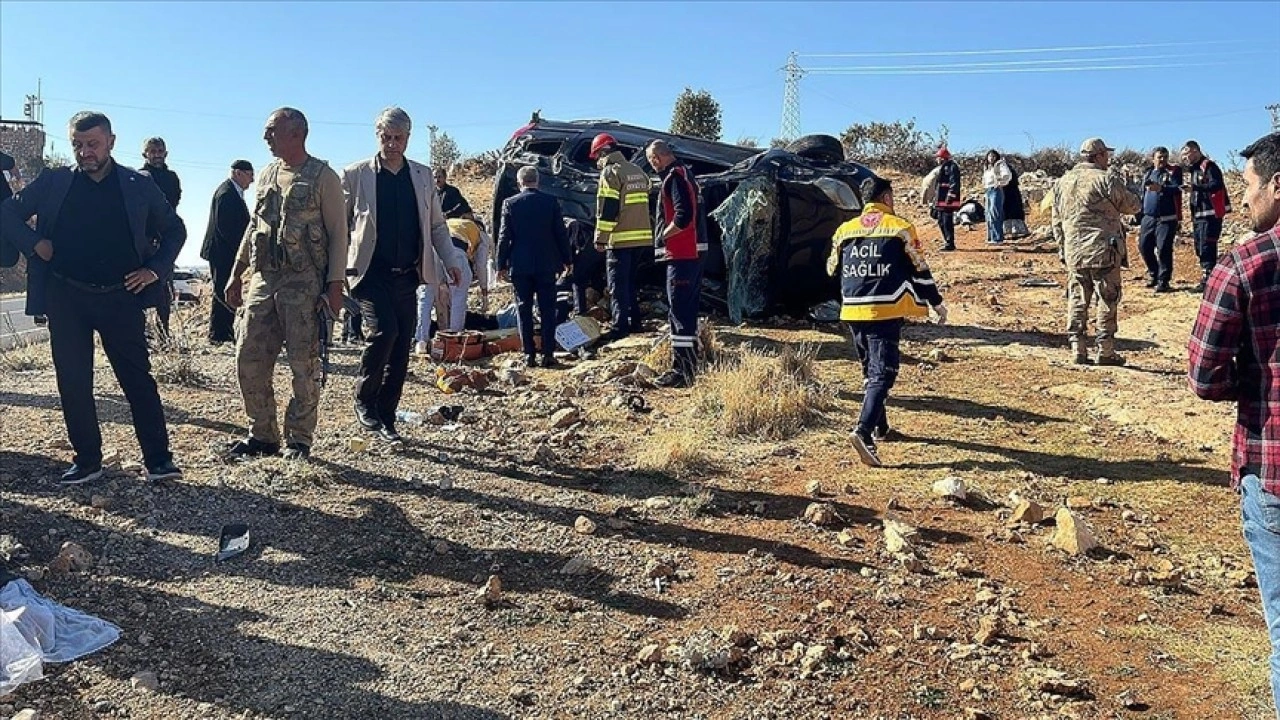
[(1107, 355), (1081, 355)]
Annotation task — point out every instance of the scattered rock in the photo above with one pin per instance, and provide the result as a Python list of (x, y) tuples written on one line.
[(736, 637), (988, 631), (1079, 502), (565, 417), (820, 514), (584, 525), (658, 569), (813, 658), (826, 607), (899, 537), (777, 640), (71, 558), (975, 714), (521, 694), (814, 488), (939, 355), (1028, 512), (657, 503), (1143, 541), (1072, 535), (577, 565), (145, 680), (491, 593), (846, 539), (100, 502), (27, 714), (650, 655), (1056, 682), (951, 488)]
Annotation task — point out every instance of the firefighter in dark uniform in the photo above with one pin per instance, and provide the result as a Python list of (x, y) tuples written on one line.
[(679, 241)]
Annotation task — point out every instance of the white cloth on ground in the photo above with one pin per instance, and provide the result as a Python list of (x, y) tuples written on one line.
[(59, 633)]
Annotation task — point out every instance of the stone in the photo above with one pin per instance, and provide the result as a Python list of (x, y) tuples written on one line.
[(1130, 516), (657, 503), (445, 483), (71, 558), (846, 539), (1072, 535), (565, 417), (491, 593), (813, 488), (658, 569), (1028, 512), (521, 694), (777, 640), (577, 565), (100, 502), (650, 655), (814, 656), (584, 525), (899, 537), (1079, 502), (736, 637), (950, 488), (826, 607), (27, 714), (976, 714), (820, 514), (939, 355), (145, 681), (1143, 541), (988, 631)]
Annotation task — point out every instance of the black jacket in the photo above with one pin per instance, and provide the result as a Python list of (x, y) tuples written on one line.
[(452, 203), (228, 217), (1013, 206), (8, 251), (150, 216), (168, 182), (532, 240)]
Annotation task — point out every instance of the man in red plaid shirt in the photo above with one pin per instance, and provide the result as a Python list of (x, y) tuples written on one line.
[(1234, 354)]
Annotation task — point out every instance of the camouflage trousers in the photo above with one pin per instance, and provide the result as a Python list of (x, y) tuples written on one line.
[(1083, 285), (280, 309)]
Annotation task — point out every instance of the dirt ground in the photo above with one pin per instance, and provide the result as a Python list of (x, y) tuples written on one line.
[(358, 597)]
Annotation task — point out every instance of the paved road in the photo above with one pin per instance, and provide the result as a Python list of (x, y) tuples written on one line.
[(16, 326)]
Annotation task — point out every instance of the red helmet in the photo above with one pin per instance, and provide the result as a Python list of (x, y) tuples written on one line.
[(602, 141)]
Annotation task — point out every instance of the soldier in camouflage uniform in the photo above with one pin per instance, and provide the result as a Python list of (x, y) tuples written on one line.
[(1088, 205), (294, 251)]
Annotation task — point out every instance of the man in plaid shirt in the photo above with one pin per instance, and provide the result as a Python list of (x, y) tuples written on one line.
[(1234, 354)]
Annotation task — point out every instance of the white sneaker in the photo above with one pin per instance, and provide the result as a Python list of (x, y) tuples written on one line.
[(420, 348)]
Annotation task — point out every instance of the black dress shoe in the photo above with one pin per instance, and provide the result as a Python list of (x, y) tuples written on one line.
[(252, 448), (531, 361), (297, 451), (389, 434), (164, 471), (1163, 288), (549, 361), (367, 419), (78, 474), (1152, 282)]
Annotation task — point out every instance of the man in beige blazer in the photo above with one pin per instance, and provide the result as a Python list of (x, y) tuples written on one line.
[(398, 233)]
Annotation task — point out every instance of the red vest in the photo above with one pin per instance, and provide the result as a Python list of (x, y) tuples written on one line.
[(683, 244)]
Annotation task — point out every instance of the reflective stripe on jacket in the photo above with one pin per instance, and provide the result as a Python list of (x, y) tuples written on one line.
[(622, 205), (883, 273)]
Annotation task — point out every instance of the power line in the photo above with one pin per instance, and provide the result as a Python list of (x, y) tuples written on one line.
[(1014, 63), (1002, 71), (1012, 51)]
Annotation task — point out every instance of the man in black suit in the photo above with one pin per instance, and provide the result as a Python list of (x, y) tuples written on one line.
[(228, 217), (92, 264), (154, 154), (533, 248)]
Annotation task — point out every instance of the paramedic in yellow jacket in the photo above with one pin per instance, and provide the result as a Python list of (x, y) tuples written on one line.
[(475, 245), (883, 280), (623, 227)]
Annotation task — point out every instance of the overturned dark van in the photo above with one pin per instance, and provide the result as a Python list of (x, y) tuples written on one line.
[(770, 213)]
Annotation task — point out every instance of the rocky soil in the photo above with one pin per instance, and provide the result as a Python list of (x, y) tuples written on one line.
[(1045, 541)]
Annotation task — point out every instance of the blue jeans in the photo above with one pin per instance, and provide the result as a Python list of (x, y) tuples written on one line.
[(995, 215), (1261, 513), (876, 344)]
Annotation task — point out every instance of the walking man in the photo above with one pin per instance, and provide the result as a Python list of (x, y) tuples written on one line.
[(1232, 356), (1088, 205), (92, 267), (622, 228), (884, 279), (1209, 205), (679, 242), (154, 154), (397, 230), (947, 198), (228, 217), (533, 248), (1161, 214), (294, 252)]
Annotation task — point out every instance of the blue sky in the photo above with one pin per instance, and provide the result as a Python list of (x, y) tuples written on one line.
[(204, 75)]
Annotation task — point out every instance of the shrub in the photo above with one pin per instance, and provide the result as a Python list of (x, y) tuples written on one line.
[(765, 394)]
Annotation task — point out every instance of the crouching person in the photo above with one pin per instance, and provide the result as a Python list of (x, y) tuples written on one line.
[(883, 280)]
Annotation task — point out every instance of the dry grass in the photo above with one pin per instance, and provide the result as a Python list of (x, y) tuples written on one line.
[(277, 476), (1238, 655), (677, 454), (764, 394), (173, 359), (710, 350), (26, 357)]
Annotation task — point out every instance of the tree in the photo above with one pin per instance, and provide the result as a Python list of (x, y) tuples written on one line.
[(444, 151), (747, 142), (696, 114)]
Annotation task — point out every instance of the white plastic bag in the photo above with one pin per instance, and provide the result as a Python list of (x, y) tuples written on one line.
[(21, 657)]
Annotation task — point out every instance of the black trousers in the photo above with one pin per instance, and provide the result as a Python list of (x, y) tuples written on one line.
[(586, 274), (544, 288), (947, 224), (1206, 231), (684, 281), (389, 306), (1155, 242), (221, 318), (165, 309), (118, 318), (622, 266)]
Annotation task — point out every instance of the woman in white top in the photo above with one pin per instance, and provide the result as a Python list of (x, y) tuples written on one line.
[(995, 176)]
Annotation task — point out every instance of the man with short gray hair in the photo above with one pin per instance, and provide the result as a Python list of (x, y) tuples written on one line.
[(398, 235), (533, 247)]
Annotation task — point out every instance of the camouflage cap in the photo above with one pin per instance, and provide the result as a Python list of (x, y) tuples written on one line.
[(1093, 146)]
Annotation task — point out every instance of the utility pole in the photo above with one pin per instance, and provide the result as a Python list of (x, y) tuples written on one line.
[(431, 148), (1274, 109), (791, 98), (33, 108)]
